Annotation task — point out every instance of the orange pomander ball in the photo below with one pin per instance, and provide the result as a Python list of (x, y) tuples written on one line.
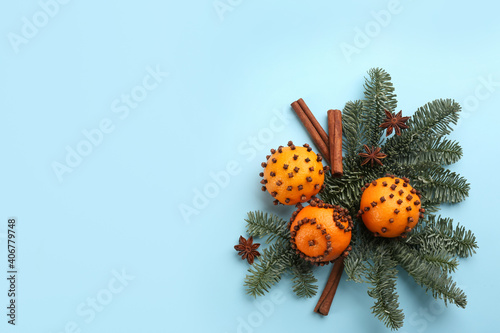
[(321, 233), (293, 174), (390, 207)]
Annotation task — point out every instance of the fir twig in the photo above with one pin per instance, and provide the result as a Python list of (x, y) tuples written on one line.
[(304, 282), (379, 96), (442, 259), (442, 185), (346, 191), (439, 233), (437, 151), (431, 121), (429, 275), (260, 224), (356, 264), (352, 131), (382, 276), (267, 271)]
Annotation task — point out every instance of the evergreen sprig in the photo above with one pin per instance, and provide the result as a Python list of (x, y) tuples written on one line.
[(442, 185), (345, 191), (304, 282), (277, 259), (431, 121), (431, 251), (267, 271), (356, 264), (260, 224), (427, 274), (438, 152), (438, 233), (382, 275), (379, 96), (352, 131)]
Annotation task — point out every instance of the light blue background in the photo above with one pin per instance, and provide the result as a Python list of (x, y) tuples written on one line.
[(119, 209)]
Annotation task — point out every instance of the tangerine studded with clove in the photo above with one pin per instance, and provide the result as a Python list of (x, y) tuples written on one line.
[(293, 174), (321, 232), (390, 206)]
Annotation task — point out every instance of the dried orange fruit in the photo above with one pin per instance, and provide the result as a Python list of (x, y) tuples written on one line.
[(321, 232), (293, 174), (390, 206)]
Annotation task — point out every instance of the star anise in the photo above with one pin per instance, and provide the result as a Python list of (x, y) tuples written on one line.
[(372, 155), (247, 250), (396, 122)]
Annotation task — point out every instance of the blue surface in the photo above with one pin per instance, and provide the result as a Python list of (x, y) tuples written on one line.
[(102, 245)]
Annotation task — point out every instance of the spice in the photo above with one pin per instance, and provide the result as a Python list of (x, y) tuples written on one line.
[(313, 120), (247, 250), (396, 122), (372, 155), (312, 126), (335, 141), (326, 298)]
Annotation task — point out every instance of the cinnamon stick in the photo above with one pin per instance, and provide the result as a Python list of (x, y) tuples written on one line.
[(308, 120), (313, 120), (326, 298), (335, 141)]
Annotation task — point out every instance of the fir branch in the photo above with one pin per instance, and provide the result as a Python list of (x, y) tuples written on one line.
[(382, 276), (431, 121), (346, 191), (260, 224), (429, 275), (267, 271), (379, 96), (356, 264), (352, 131), (437, 151), (362, 242), (432, 249), (439, 232), (442, 185), (304, 282), (434, 118), (442, 259)]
